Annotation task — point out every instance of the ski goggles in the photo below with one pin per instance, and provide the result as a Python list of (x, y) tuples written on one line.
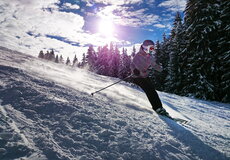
[(149, 49)]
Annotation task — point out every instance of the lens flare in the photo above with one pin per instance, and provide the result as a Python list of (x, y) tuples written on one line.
[(106, 28)]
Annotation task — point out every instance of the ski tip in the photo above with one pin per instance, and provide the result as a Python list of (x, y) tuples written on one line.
[(181, 121), (178, 120)]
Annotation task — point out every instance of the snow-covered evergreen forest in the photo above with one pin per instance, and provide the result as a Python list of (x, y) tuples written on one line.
[(195, 56)]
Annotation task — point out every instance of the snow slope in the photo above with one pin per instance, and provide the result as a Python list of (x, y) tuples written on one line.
[(47, 112)]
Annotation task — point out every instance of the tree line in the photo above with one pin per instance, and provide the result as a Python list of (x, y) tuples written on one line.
[(50, 56), (195, 56), (107, 60)]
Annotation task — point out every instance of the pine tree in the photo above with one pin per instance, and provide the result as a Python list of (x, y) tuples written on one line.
[(102, 61), (202, 61), (133, 52), (83, 61), (61, 60), (41, 54), (47, 55), (51, 56), (111, 57), (182, 59), (67, 61), (75, 61), (158, 78), (111, 48), (224, 51), (124, 67), (56, 59), (114, 62), (91, 58), (174, 74), (162, 57)]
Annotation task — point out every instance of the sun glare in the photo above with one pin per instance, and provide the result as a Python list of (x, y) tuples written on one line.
[(106, 28)]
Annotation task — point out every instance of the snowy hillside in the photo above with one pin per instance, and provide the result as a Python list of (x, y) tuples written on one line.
[(47, 112)]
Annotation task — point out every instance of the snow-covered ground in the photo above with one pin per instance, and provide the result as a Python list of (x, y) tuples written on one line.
[(47, 112)]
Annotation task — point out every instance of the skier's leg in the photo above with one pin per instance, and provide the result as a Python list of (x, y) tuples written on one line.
[(150, 91), (152, 94)]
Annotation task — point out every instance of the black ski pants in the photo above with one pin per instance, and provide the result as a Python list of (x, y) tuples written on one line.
[(149, 89)]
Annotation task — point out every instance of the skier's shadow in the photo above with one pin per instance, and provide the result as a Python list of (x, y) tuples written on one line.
[(196, 146)]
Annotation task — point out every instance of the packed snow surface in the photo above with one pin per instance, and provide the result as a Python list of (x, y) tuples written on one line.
[(47, 112)]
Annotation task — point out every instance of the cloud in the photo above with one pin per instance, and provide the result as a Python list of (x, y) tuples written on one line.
[(113, 2), (159, 25), (128, 16), (121, 13), (32, 25), (174, 5), (25, 24), (70, 6), (45, 19)]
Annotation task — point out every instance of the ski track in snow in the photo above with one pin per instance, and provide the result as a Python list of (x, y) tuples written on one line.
[(47, 112)]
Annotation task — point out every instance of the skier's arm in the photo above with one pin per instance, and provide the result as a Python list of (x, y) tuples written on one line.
[(136, 72), (134, 69), (156, 66)]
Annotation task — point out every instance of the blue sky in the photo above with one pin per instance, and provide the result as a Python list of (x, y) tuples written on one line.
[(69, 26)]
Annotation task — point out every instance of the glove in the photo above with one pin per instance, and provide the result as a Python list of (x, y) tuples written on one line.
[(136, 72)]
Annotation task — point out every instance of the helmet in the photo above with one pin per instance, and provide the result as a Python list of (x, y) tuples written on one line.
[(148, 46)]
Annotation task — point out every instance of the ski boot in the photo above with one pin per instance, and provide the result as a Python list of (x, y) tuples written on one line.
[(163, 112)]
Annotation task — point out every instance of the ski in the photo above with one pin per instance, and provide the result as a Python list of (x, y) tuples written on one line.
[(178, 120), (181, 121)]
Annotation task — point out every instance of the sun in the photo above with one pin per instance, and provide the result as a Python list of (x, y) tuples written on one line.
[(106, 28)]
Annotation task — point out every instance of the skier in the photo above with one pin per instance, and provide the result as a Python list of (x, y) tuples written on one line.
[(141, 64)]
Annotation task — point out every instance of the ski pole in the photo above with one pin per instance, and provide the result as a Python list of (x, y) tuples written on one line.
[(112, 84)]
